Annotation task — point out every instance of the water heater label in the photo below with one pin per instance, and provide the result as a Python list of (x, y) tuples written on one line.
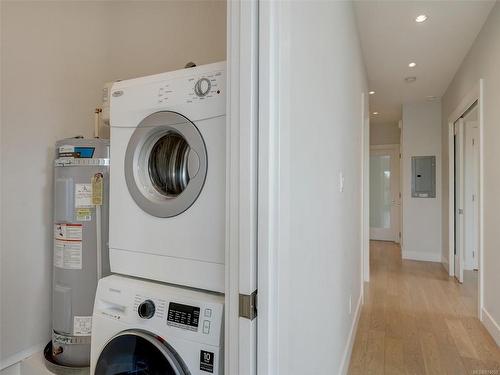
[(83, 195), (83, 214), (70, 232), (68, 254), (97, 189), (68, 246), (82, 325)]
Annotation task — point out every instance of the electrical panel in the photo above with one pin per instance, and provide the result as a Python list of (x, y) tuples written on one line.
[(423, 173)]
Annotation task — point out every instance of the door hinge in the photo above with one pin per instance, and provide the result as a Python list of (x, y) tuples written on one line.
[(400, 235), (460, 211), (248, 305), (473, 141), (399, 195)]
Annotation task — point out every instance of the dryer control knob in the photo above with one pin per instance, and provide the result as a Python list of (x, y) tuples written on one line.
[(202, 87), (146, 309)]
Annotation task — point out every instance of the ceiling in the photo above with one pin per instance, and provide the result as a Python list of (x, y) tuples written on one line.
[(391, 39)]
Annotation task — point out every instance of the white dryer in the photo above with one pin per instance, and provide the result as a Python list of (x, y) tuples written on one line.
[(168, 177), (143, 327)]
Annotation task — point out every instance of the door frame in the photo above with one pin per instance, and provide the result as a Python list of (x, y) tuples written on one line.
[(395, 149), (241, 183), (476, 94)]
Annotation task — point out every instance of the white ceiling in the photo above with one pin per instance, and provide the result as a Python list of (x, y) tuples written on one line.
[(391, 39)]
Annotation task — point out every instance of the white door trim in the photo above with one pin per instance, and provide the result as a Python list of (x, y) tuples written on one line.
[(476, 94), (268, 192), (365, 192), (241, 184)]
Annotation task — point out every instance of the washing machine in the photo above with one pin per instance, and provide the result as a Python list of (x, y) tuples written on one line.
[(168, 177), (144, 327)]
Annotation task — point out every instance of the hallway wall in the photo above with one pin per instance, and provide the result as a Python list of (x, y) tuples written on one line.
[(421, 216), (482, 61), (318, 252)]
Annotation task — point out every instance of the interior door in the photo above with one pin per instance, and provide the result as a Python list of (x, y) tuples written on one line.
[(459, 201), (471, 194), (385, 199)]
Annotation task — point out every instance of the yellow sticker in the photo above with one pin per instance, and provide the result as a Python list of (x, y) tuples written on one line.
[(83, 214), (97, 189)]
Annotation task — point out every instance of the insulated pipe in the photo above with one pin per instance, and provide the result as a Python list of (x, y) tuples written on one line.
[(97, 114)]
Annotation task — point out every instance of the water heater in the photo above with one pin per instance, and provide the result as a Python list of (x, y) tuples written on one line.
[(81, 187)]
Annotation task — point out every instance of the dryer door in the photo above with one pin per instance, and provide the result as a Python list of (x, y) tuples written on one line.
[(165, 164), (139, 353)]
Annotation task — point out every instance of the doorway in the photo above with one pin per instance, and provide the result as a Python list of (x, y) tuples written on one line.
[(466, 188), (385, 197)]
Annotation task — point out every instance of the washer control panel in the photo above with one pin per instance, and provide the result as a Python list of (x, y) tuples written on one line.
[(165, 310)]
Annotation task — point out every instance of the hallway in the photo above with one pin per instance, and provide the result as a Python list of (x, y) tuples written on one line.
[(416, 320)]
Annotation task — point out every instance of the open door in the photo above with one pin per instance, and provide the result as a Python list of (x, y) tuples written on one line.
[(241, 221), (459, 201)]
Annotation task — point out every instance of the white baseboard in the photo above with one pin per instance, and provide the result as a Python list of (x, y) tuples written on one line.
[(18, 357), (417, 255), (346, 358), (492, 326)]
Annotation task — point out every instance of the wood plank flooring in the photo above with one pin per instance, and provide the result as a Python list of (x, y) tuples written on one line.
[(417, 321)]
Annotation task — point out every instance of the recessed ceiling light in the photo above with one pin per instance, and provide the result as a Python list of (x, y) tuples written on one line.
[(371, 92), (412, 65), (431, 98), (421, 18), (375, 113), (410, 79)]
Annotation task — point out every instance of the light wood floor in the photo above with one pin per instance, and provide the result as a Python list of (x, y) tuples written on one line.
[(416, 320)]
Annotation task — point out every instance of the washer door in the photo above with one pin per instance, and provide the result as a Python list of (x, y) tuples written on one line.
[(165, 164), (139, 353)]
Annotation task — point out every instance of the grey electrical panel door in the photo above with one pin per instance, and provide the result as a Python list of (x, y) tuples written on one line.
[(423, 173)]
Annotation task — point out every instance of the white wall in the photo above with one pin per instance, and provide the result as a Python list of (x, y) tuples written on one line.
[(321, 81), (55, 56), (385, 134), (421, 136), (482, 61)]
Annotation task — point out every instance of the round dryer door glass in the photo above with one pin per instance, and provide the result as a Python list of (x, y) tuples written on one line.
[(138, 353), (165, 164)]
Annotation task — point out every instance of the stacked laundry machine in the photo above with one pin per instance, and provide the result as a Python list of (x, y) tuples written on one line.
[(163, 310)]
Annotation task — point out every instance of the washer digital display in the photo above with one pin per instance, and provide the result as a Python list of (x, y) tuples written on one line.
[(184, 315)]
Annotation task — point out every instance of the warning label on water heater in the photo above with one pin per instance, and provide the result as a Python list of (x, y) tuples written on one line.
[(68, 246), (83, 196), (70, 232), (82, 325)]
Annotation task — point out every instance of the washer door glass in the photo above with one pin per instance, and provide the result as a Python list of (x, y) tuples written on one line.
[(138, 353), (165, 164)]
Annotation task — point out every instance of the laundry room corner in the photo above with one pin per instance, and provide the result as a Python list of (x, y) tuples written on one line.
[(55, 58)]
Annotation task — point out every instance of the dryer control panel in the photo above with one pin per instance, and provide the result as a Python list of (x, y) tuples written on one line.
[(197, 93), (193, 89)]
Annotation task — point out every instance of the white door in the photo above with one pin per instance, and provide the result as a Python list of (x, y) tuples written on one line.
[(385, 198), (471, 194), (459, 200)]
